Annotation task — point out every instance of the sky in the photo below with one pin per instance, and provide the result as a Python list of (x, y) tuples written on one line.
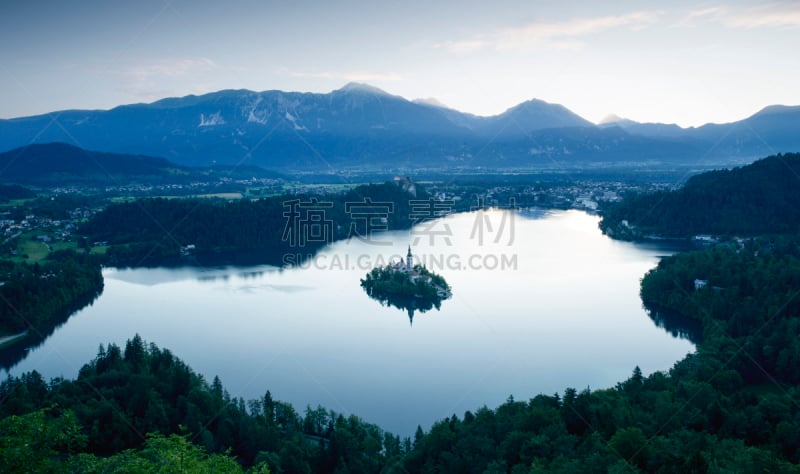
[(684, 62)]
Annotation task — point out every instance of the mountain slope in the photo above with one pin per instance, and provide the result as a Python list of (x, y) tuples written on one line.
[(772, 129), (364, 128), (273, 128), (531, 116), (653, 130), (60, 163), (57, 164)]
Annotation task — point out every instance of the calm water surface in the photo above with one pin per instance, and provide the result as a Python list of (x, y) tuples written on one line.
[(565, 312)]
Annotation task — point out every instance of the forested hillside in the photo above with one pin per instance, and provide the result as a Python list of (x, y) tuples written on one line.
[(37, 298), (154, 231), (759, 198), (125, 393), (733, 406)]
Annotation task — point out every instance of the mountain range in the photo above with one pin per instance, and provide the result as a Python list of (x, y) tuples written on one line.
[(360, 127)]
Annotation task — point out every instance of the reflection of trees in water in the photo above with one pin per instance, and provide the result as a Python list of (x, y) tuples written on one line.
[(409, 304), (676, 324), (277, 256), (15, 352)]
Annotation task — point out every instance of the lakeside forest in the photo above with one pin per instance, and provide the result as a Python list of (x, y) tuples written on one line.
[(732, 406), (760, 198)]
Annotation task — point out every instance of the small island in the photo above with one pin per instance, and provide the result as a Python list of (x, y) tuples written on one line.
[(406, 286)]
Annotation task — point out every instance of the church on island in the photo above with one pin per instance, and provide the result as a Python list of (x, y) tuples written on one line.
[(406, 286), (407, 266)]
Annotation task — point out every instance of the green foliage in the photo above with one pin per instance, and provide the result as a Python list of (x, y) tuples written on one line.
[(760, 198), (165, 454), (35, 295), (734, 406), (387, 281), (749, 299), (420, 292), (125, 393), (31, 442), (152, 231), (40, 442), (705, 415)]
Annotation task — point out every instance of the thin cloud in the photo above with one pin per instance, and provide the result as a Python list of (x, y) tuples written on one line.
[(463, 47), (555, 34), (771, 15), (179, 67), (706, 12), (164, 78), (702, 15), (768, 15), (352, 76)]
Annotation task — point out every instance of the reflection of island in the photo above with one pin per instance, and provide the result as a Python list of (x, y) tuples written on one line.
[(406, 286)]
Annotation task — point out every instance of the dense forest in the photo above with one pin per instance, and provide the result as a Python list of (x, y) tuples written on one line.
[(37, 298), (33, 293), (730, 407), (158, 231), (760, 198), (745, 295), (40, 291), (125, 393), (733, 406)]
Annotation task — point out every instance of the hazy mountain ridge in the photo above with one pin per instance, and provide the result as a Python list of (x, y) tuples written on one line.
[(63, 164), (360, 126)]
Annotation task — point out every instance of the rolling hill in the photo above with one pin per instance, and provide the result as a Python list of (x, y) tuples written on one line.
[(59, 164)]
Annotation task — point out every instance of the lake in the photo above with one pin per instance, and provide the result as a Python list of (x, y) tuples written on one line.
[(541, 301)]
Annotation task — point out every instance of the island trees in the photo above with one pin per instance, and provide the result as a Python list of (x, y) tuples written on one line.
[(406, 286)]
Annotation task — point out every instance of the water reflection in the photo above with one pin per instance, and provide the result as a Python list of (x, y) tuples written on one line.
[(676, 324), (11, 354), (534, 213), (567, 314), (408, 304)]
